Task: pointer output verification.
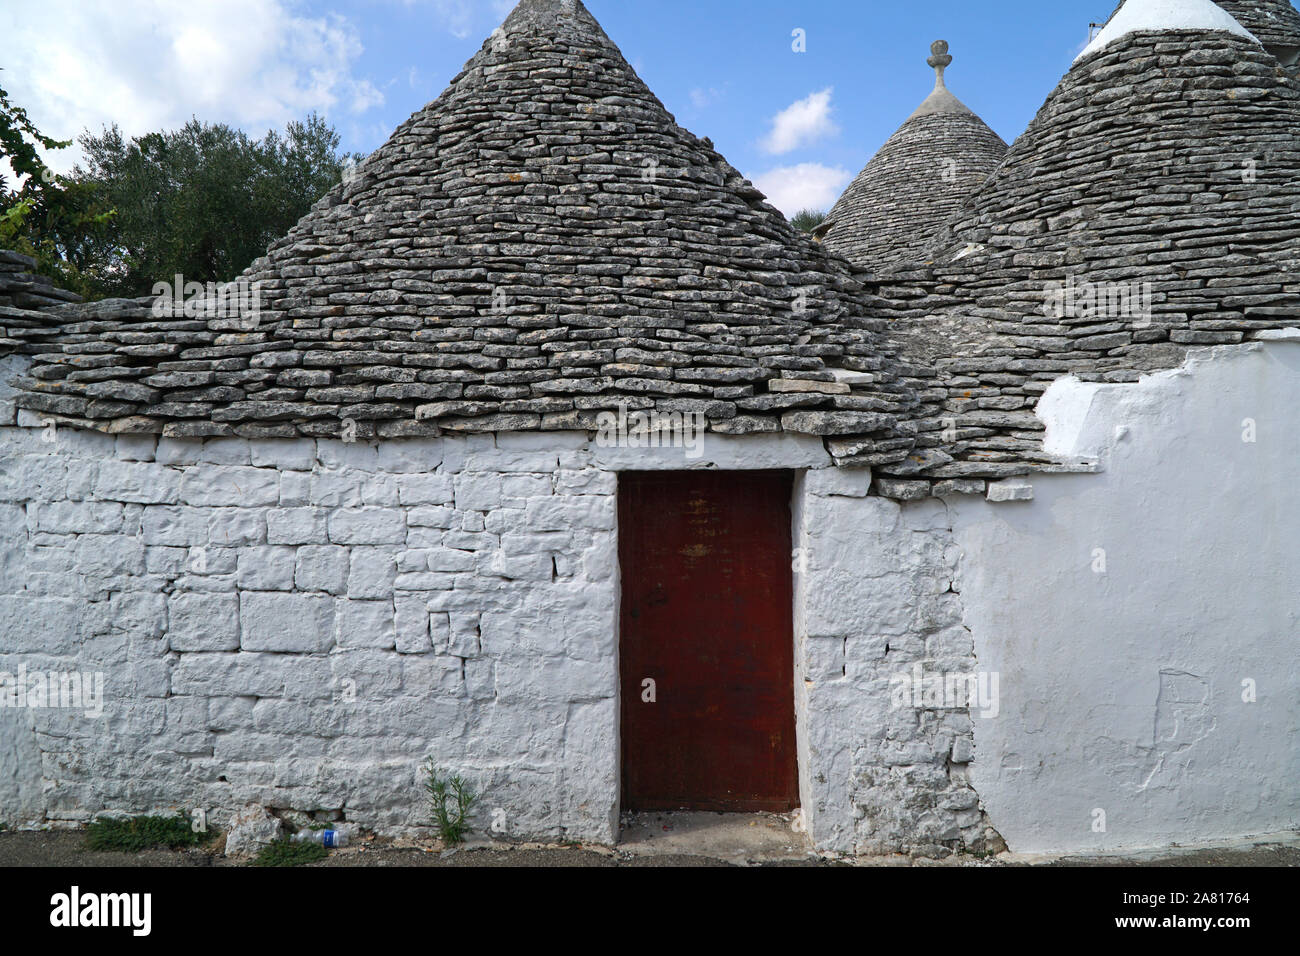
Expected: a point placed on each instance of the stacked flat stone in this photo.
(22, 287)
(916, 182)
(1275, 23)
(24, 295)
(1167, 157)
(540, 244)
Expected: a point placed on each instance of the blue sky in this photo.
(724, 68)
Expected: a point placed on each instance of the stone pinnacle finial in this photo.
(940, 60)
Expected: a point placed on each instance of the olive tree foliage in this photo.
(59, 223)
(205, 200)
(806, 220)
(202, 201)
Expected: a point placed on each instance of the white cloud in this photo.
(153, 64)
(805, 186)
(801, 123)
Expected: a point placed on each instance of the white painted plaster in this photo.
(874, 599)
(1122, 690)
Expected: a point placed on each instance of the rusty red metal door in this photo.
(706, 617)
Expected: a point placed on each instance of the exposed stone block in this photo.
(175, 526)
(74, 517)
(203, 622)
(843, 482)
(286, 454)
(296, 526)
(231, 486)
(236, 527)
(591, 512)
(138, 482)
(372, 573)
(959, 486)
(1010, 491)
(265, 569)
(367, 526)
(478, 491)
(367, 624)
(286, 622)
(424, 489)
(411, 624)
(41, 625)
(903, 490)
(322, 568)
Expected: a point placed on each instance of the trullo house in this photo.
(545, 448)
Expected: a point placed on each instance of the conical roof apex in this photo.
(916, 181)
(540, 244)
(1149, 16)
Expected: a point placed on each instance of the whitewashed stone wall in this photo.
(874, 600)
(299, 624)
(1146, 620)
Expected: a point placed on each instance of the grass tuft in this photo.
(287, 853)
(133, 834)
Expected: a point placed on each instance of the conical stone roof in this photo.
(1152, 205)
(540, 243)
(917, 180)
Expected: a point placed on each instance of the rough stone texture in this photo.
(25, 295)
(914, 184)
(453, 597)
(1168, 161)
(874, 599)
(540, 243)
(250, 830)
(1275, 23)
(315, 673)
(23, 288)
(296, 622)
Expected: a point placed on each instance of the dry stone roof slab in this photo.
(24, 295)
(22, 287)
(540, 243)
(544, 242)
(916, 182)
(1275, 23)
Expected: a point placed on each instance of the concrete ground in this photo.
(659, 839)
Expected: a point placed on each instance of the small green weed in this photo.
(450, 801)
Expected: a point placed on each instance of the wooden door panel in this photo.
(706, 615)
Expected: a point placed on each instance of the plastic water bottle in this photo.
(330, 839)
